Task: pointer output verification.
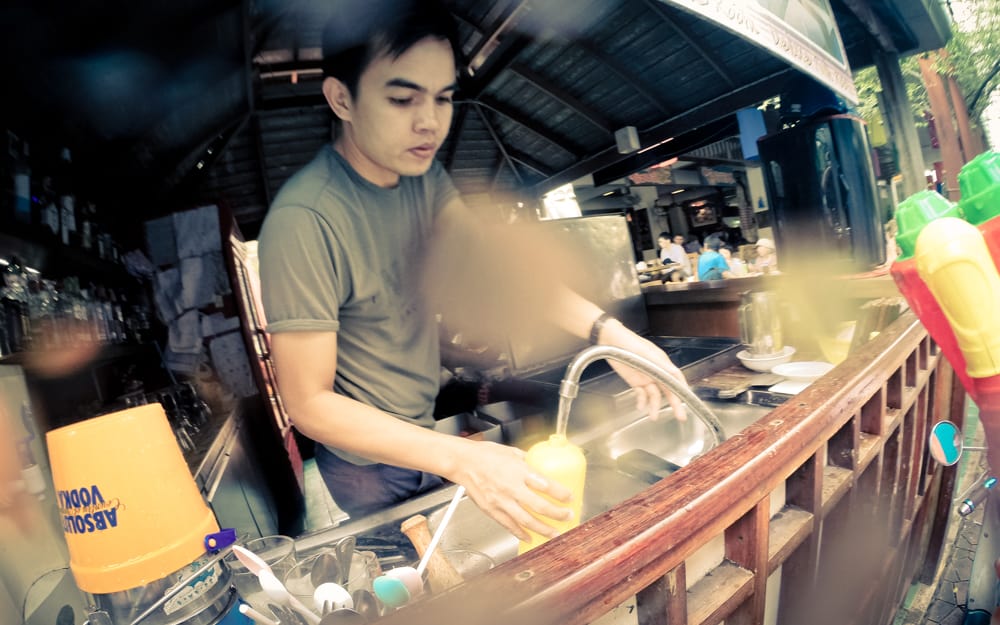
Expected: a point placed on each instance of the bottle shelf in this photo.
(107, 353)
(53, 259)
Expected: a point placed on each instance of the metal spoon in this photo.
(345, 553)
(366, 604)
(326, 568)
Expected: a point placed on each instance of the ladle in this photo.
(396, 587)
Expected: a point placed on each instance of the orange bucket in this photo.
(130, 510)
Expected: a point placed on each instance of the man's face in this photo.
(401, 113)
(679, 240)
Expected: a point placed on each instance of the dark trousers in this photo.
(362, 489)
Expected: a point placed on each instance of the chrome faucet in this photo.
(570, 386)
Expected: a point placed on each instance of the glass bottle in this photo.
(22, 184)
(14, 302)
(67, 199)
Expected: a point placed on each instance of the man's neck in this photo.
(380, 177)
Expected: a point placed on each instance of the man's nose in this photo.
(429, 116)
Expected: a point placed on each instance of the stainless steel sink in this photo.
(622, 459)
(470, 528)
(626, 452)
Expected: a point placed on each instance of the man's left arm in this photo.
(522, 254)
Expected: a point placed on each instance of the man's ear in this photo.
(338, 96)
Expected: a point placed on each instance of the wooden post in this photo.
(897, 111)
(951, 155)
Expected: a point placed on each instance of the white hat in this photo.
(768, 243)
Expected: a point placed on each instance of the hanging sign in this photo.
(802, 32)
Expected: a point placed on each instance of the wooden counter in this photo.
(709, 308)
(862, 512)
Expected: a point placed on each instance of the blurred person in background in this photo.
(767, 257)
(671, 253)
(712, 264)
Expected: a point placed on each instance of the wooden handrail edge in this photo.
(581, 573)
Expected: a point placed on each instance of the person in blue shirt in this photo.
(711, 264)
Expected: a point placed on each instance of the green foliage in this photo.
(973, 59)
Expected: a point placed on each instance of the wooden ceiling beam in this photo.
(499, 144)
(675, 126)
(493, 35)
(870, 21)
(658, 8)
(518, 119)
(569, 101)
(625, 75)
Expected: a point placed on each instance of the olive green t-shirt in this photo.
(340, 254)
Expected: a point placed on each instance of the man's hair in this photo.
(714, 242)
(360, 31)
(664, 235)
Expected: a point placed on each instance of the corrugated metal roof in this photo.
(233, 107)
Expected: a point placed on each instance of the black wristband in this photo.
(595, 330)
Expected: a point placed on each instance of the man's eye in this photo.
(444, 99)
(400, 101)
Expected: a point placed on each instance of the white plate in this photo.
(805, 371)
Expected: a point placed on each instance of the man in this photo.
(672, 252)
(767, 259)
(712, 264)
(354, 343)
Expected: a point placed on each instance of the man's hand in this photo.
(502, 484)
(649, 393)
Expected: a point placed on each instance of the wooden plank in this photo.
(890, 497)
(716, 595)
(873, 414)
(842, 448)
(664, 602)
(747, 546)
(868, 449)
(788, 529)
(836, 483)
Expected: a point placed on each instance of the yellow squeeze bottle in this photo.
(559, 460)
(955, 263)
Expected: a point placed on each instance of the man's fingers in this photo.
(653, 401)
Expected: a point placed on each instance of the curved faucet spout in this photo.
(570, 385)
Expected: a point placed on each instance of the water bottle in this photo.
(561, 461)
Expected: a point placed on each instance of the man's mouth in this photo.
(424, 150)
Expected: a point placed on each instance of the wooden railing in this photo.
(860, 511)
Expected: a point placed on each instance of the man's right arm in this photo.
(495, 476)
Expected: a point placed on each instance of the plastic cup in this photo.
(298, 579)
(278, 552)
